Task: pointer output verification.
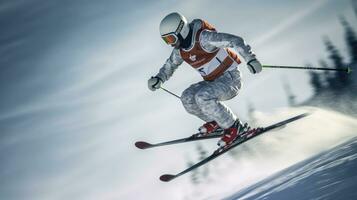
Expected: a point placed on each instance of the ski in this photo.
(243, 138)
(194, 137)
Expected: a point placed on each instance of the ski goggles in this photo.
(170, 38)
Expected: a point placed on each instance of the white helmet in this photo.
(173, 27)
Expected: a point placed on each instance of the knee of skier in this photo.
(187, 99)
(202, 97)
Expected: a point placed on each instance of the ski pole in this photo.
(173, 94)
(345, 69)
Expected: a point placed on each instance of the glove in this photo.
(254, 66)
(154, 83)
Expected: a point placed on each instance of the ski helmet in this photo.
(174, 27)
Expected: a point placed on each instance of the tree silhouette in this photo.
(337, 86)
(351, 39)
(289, 93)
(340, 81)
(316, 83)
(327, 75)
(194, 175)
(251, 110)
(200, 174)
(202, 155)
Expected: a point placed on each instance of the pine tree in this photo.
(251, 110)
(289, 93)
(197, 176)
(351, 39)
(194, 175)
(327, 75)
(315, 82)
(340, 81)
(202, 155)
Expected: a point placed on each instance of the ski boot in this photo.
(208, 128)
(232, 133)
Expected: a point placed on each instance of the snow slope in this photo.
(329, 175)
(276, 150)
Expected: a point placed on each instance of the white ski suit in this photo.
(218, 65)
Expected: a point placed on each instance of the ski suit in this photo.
(218, 65)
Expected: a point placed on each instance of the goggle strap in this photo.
(179, 28)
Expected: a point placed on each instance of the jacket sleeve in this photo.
(221, 40)
(170, 65)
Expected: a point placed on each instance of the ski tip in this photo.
(167, 177)
(142, 145)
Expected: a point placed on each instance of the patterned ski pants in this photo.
(204, 99)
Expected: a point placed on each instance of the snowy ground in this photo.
(277, 150)
(329, 175)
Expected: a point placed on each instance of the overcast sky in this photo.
(73, 78)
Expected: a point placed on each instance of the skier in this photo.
(200, 45)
